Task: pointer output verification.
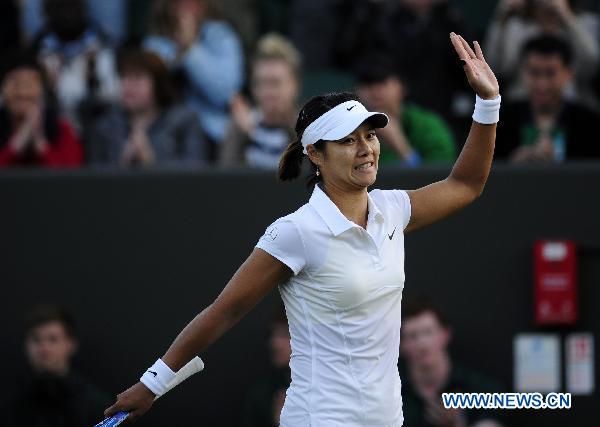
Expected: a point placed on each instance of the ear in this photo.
(314, 155)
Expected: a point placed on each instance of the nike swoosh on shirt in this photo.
(392, 235)
(350, 108)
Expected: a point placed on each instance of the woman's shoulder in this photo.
(299, 223)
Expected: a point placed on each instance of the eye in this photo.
(371, 135)
(348, 141)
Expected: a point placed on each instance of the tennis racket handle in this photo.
(113, 420)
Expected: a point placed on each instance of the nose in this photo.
(364, 148)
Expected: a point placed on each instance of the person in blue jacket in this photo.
(208, 55)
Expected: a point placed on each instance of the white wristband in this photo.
(158, 377)
(487, 111)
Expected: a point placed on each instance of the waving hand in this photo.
(480, 75)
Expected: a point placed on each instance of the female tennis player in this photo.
(339, 263)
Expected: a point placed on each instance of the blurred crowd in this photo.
(200, 83)
(55, 393)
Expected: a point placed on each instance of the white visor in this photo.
(341, 121)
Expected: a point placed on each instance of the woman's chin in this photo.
(365, 179)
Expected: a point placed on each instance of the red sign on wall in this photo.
(555, 264)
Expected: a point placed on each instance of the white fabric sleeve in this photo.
(401, 201)
(282, 240)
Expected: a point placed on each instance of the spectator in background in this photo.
(413, 135)
(415, 34)
(31, 131)
(148, 127)
(547, 127)
(517, 21)
(425, 335)
(55, 395)
(78, 62)
(258, 136)
(243, 16)
(209, 56)
(265, 398)
(108, 16)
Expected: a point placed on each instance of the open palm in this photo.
(479, 74)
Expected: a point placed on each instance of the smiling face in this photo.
(349, 163)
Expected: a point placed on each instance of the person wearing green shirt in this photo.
(417, 135)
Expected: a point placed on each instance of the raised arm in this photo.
(469, 174)
(256, 277)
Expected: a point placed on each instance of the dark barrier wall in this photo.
(136, 256)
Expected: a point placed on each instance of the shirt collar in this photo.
(332, 216)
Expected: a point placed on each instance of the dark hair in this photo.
(136, 60)
(16, 59)
(290, 164)
(415, 305)
(548, 45)
(67, 18)
(43, 314)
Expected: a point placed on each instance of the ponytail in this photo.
(290, 164)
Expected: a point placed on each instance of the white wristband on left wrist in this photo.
(487, 111)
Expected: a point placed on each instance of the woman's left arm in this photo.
(470, 172)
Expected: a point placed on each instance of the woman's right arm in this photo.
(255, 278)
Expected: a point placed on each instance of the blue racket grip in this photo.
(113, 421)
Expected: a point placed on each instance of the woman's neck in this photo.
(354, 205)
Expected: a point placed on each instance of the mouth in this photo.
(364, 166)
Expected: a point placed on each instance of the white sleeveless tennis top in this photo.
(343, 309)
